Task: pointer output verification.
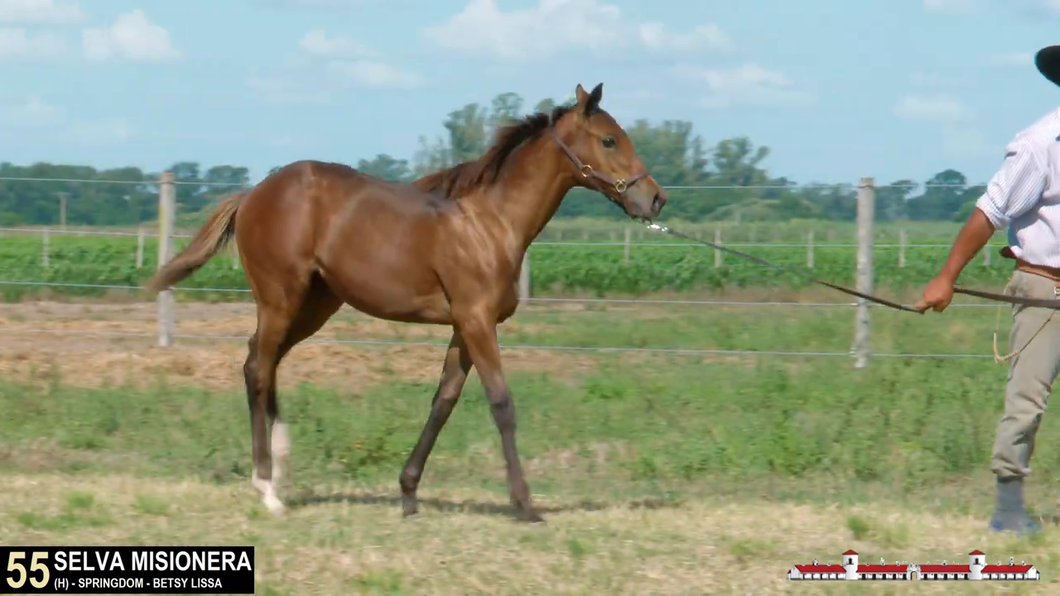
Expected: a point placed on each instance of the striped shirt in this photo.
(1024, 194)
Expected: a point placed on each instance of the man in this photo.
(1024, 195)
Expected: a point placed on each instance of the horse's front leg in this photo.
(454, 374)
(479, 331)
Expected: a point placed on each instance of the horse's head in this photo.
(603, 155)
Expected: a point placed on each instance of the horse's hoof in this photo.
(409, 507)
(275, 506)
(533, 518)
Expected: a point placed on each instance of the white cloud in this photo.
(17, 45)
(558, 25)
(966, 141)
(133, 37)
(638, 96)
(319, 4)
(747, 84)
(40, 12)
(324, 66)
(1012, 59)
(534, 32)
(317, 43)
(950, 6)
(656, 37)
(369, 73)
(955, 121)
(29, 112)
(287, 89)
(933, 108)
(933, 79)
(98, 133)
(1049, 6)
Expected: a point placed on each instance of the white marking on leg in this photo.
(268, 494)
(281, 449)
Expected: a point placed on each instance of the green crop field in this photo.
(659, 473)
(590, 260)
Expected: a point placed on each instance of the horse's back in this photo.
(339, 185)
(374, 242)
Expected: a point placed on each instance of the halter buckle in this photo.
(620, 186)
(586, 170)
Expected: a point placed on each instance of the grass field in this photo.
(660, 473)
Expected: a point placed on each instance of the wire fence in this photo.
(524, 347)
(532, 300)
(38, 231)
(793, 186)
(166, 322)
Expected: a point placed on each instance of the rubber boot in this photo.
(1009, 513)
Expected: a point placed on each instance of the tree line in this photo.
(675, 154)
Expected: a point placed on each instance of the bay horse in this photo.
(444, 250)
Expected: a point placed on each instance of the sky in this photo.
(837, 89)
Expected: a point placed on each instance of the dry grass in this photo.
(94, 345)
(85, 346)
(354, 541)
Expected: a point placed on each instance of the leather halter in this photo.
(619, 184)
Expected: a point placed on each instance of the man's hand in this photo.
(937, 295)
(973, 236)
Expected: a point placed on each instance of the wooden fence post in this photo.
(717, 253)
(62, 210)
(167, 199)
(809, 249)
(866, 207)
(625, 249)
(524, 277)
(139, 247)
(44, 249)
(901, 247)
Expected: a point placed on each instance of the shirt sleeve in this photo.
(1015, 188)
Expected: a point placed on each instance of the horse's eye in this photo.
(609, 142)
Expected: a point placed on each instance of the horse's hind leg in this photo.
(281, 324)
(319, 306)
(454, 374)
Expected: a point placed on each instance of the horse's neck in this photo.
(532, 187)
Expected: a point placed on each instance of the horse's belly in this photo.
(430, 309)
(392, 295)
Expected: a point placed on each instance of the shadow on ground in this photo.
(472, 506)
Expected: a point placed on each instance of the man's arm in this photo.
(973, 236)
(1015, 189)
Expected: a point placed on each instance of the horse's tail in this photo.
(208, 241)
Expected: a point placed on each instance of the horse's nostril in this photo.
(657, 202)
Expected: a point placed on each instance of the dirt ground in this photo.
(93, 345)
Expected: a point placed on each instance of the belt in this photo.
(1046, 271)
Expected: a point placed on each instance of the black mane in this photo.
(463, 178)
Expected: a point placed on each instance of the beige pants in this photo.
(1035, 340)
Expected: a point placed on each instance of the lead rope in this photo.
(998, 359)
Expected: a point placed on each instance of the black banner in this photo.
(126, 570)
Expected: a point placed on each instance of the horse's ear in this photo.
(592, 103)
(580, 96)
